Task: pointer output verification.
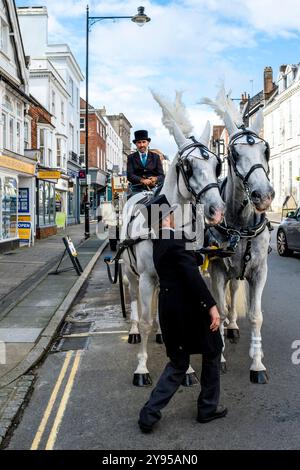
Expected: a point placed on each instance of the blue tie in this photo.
(144, 159)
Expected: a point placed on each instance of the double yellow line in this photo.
(63, 403)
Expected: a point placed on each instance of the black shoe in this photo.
(145, 428)
(220, 412)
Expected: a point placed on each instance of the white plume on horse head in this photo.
(174, 117)
(224, 107)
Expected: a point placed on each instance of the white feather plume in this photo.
(222, 104)
(174, 112)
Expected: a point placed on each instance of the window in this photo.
(71, 90)
(290, 119)
(98, 157)
(42, 145)
(53, 103)
(98, 127)
(82, 155)
(19, 109)
(62, 108)
(50, 162)
(4, 129)
(272, 130)
(82, 123)
(8, 103)
(290, 177)
(11, 134)
(18, 137)
(26, 135)
(77, 99)
(46, 203)
(4, 36)
(71, 135)
(58, 153)
(8, 193)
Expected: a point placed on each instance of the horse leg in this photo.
(258, 373)
(146, 290)
(158, 337)
(218, 287)
(134, 335)
(233, 333)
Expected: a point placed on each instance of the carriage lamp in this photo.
(140, 19)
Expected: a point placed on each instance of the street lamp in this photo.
(140, 19)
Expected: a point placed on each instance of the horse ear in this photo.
(230, 125)
(204, 139)
(258, 123)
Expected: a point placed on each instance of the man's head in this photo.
(141, 140)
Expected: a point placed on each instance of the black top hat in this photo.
(141, 135)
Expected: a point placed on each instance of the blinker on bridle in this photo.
(187, 173)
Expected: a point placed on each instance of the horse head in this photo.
(194, 171)
(248, 153)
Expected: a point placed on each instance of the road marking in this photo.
(63, 404)
(94, 333)
(41, 429)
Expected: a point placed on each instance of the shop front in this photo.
(73, 198)
(61, 201)
(17, 179)
(46, 209)
(98, 190)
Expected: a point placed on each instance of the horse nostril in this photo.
(255, 195)
(212, 210)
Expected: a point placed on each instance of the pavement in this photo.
(33, 304)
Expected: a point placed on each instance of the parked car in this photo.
(288, 234)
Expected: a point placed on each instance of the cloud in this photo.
(189, 45)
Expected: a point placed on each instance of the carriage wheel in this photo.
(122, 291)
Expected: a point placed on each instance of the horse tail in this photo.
(241, 293)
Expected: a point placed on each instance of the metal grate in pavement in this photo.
(70, 344)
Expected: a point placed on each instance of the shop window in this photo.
(8, 194)
(46, 203)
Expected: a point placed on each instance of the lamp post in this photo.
(140, 19)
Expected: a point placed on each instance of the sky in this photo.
(189, 45)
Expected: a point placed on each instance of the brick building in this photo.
(96, 155)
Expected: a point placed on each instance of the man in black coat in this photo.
(189, 321)
(144, 168)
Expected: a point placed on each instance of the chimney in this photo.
(268, 82)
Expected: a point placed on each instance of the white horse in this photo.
(247, 194)
(191, 177)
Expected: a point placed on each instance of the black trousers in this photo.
(171, 379)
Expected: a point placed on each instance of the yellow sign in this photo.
(17, 165)
(24, 229)
(49, 175)
(119, 183)
(24, 218)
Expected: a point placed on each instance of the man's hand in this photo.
(146, 181)
(215, 318)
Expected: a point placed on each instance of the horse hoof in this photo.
(134, 338)
(259, 377)
(233, 335)
(190, 379)
(142, 380)
(223, 367)
(159, 338)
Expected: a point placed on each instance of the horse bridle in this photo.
(183, 166)
(232, 156)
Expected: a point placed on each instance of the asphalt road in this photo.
(85, 399)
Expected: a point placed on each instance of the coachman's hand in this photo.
(215, 318)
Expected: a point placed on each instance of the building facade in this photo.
(123, 128)
(55, 81)
(17, 164)
(96, 155)
(282, 131)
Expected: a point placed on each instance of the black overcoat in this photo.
(184, 299)
(136, 170)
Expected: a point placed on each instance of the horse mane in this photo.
(174, 112)
(224, 104)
